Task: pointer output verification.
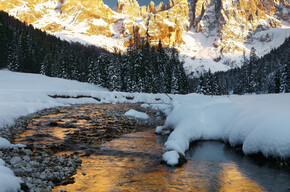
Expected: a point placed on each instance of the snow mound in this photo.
(171, 157)
(164, 108)
(260, 123)
(8, 181)
(145, 105)
(5, 144)
(137, 114)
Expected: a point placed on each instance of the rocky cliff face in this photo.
(207, 30)
(162, 24)
(58, 15)
(93, 17)
(129, 7)
(234, 22)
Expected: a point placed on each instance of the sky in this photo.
(113, 3)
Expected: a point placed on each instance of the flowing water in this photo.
(132, 163)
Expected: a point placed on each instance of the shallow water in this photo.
(132, 163)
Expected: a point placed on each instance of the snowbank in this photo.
(260, 123)
(8, 181)
(24, 93)
(5, 144)
(137, 114)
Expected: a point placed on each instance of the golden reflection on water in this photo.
(132, 162)
(135, 166)
(233, 180)
(121, 175)
(38, 131)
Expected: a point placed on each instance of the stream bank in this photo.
(56, 140)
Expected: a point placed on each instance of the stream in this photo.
(130, 159)
(132, 163)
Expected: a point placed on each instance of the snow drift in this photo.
(137, 114)
(260, 123)
(24, 93)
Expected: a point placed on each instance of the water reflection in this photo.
(239, 173)
(232, 179)
(132, 163)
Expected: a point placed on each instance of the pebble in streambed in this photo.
(38, 170)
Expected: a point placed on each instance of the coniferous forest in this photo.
(142, 68)
(269, 74)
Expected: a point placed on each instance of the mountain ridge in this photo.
(210, 34)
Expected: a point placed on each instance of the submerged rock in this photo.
(173, 158)
(68, 125)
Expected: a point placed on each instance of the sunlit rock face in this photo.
(88, 16)
(169, 24)
(128, 7)
(216, 29)
(93, 17)
(234, 22)
(162, 24)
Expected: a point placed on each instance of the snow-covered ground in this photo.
(23, 93)
(137, 114)
(260, 123)
(8, 181)
(199, 52)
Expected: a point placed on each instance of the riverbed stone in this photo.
(27, 151)
(24, 187)
(15, 160)
(181, 159)
(20, 172)
(68, 125)
(26, 158)
(53, 124)
(34, 163)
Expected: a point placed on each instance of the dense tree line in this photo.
(142, 68)
(269, 74)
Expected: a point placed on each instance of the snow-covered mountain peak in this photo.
(209, 33)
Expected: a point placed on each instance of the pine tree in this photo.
(92, 74)
(45, 68)
(277, 81)
(201, 86)
(3, 43)
(215, 86)
(13, 56)
(114, 73)
(285, 77)
(253, 71)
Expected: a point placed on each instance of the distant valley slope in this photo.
(208, 33)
